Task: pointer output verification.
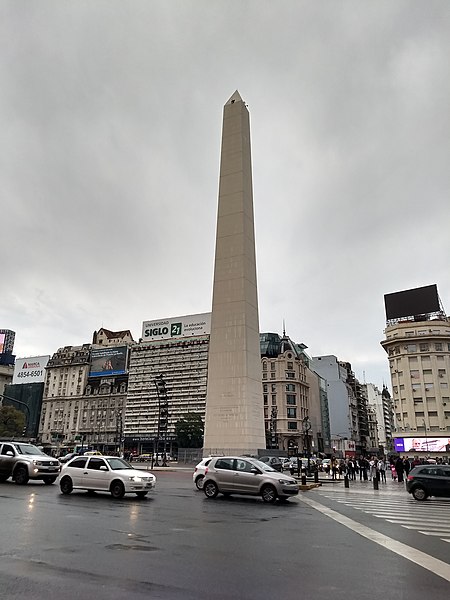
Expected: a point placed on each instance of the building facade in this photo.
(419, 361)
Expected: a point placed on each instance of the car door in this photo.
(224, 474)
(96, 475)
(245, 482)
(7, 462)
(75, 470)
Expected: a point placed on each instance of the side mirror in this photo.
(103, 468)
(254, 470)
(10, 453)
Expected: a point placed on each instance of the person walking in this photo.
(399, 467)
(382, 470)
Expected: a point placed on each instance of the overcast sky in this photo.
(110, 126)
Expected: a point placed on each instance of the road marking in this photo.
(436, 533)
(436, 566)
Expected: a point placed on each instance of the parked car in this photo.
(429, 480)
(105, 474)
(199, 472)
(23, 462)
(238, 475)
(285, 462)
(272, 461)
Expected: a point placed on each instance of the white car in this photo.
(199, 472)
(105, 474)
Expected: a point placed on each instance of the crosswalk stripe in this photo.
(426, 519)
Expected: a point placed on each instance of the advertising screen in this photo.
(108, 361)
(2, 342)
(421, 444)
(30, 370)
(413, 302)
(176, 327)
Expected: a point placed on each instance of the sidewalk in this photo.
(391, 487)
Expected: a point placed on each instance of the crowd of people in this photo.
(368, 468)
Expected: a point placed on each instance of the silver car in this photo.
(241, 475)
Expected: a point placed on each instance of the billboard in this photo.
(30, 370)
(108, 361)
(418, 301)
(421, 444)
(7, 338)
(176, 327)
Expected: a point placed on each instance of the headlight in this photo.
(134, 478)
(287, 481)
(39, 463)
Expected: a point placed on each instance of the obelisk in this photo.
(234, 422)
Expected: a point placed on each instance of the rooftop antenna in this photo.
(284, 329)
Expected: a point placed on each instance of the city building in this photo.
(417, 343)
(84, 395)
(175, 349)
(347, 404)
(234, 421)
(382, 404)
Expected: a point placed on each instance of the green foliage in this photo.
(189, 431)
(12, 421)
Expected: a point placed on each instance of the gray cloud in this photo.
(110, 115)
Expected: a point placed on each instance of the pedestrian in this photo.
(393, 473)
(400, 469)
(406, 466)
(382, 470)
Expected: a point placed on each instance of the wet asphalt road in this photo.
(175, 544)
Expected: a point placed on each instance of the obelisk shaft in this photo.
(234, 420)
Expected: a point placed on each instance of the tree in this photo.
(189, 431)
(12, 421)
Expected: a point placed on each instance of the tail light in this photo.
(410, 477)
(206, 470)
(195, 470)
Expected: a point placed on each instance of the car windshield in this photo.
(28, 449)
(118, 463)
(263, 466)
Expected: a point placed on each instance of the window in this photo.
(438, 347)
(291, 399)
(290, 375)
(432, 413)
(266, 399)
(441, 372)
(427, 372)
(292, 425)
(290, 366)
(265, 387)
(411, 348)
(424, 347)
(274, 399)
(272, 375)
(264, 366)
(272, 366)
(225, 463)
(79, 463)
(274, 387)
(292, 413)
(290, 387)
(414, 374)
(244, 466)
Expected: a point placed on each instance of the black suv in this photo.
(429, 480)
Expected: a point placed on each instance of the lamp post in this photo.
(306, 426)
(273, 427)
(163, 416)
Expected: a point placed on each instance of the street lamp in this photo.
(163, 416)
(306, 426)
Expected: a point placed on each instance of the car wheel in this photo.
(210, 488)
(117, 490)
(199, 482)
(269, 494)
(21, 476)
(419, 493)
(49, 480)
(141, 494)
(65, 485)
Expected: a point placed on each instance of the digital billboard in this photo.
(176, 327)
(410, 303)
(108, 361)
(421, 444)
(7, 338)
(30, 370)
(2, 342)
